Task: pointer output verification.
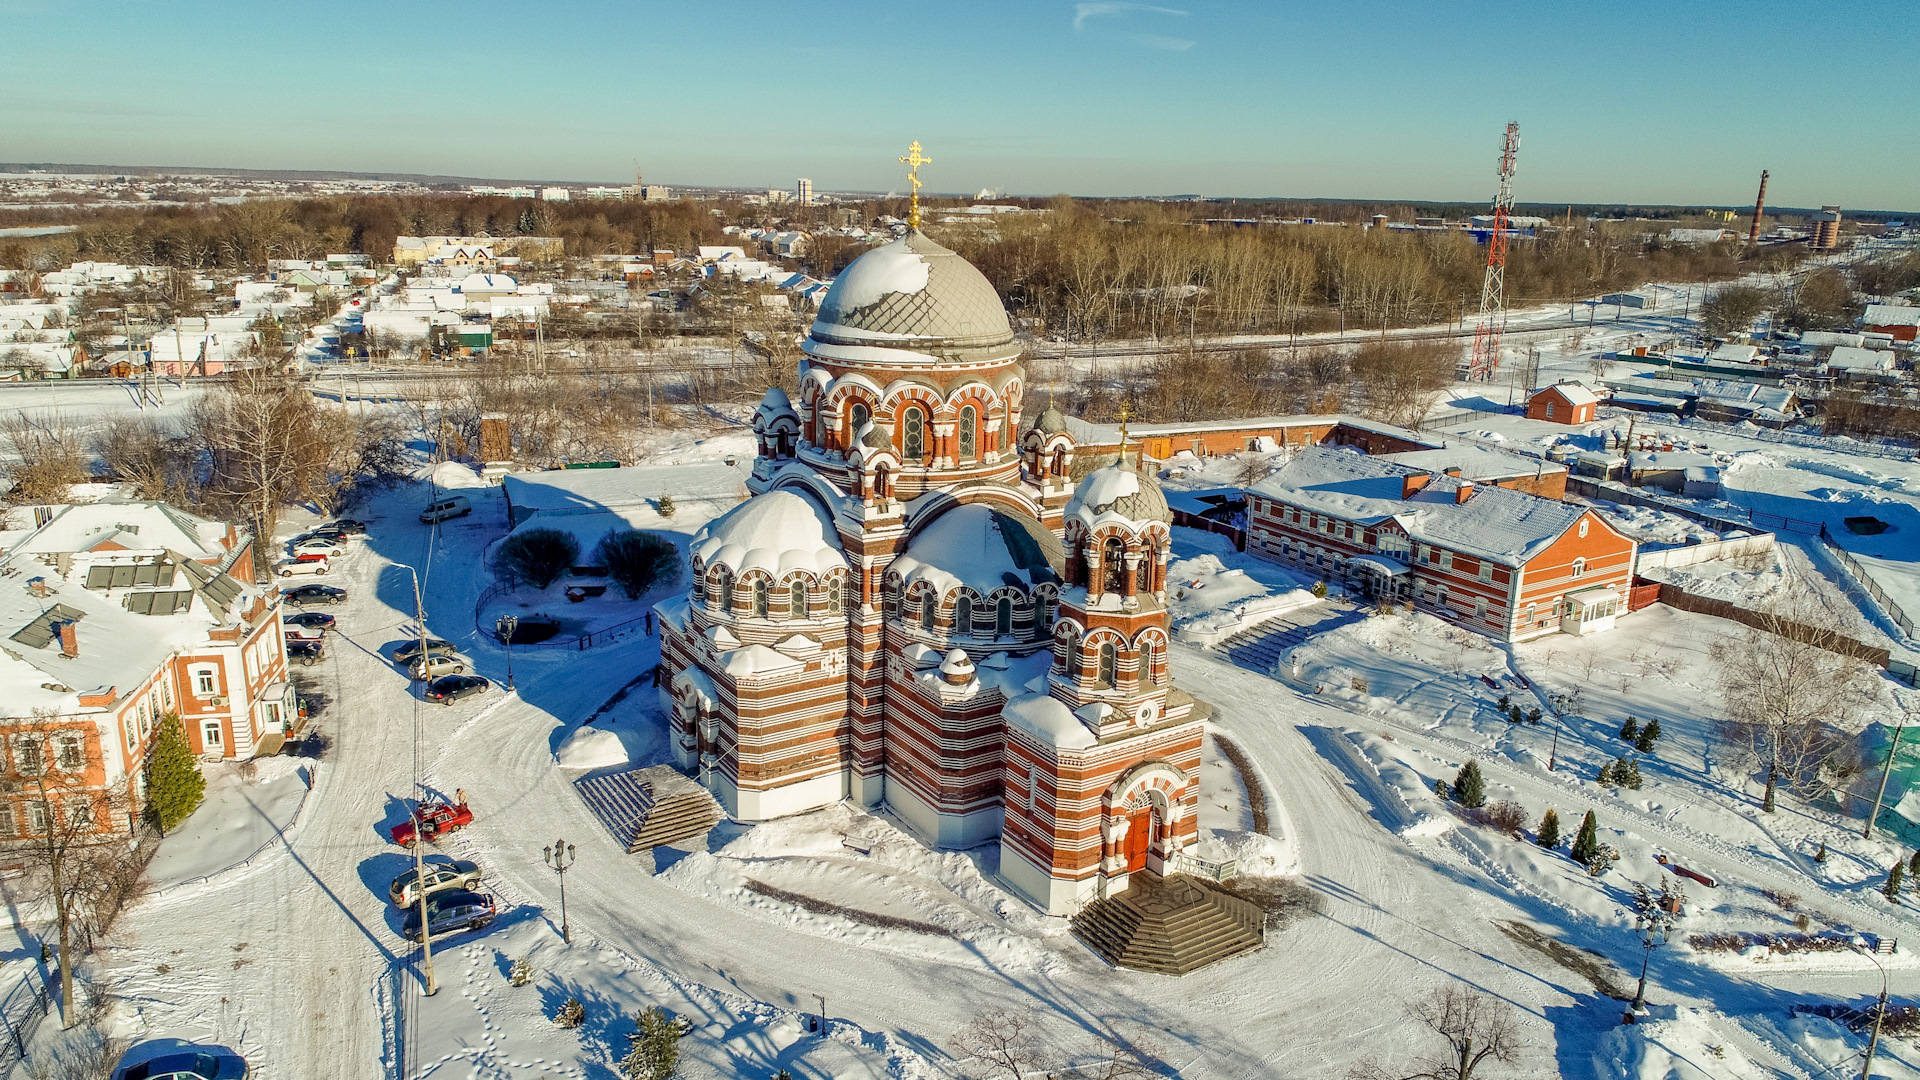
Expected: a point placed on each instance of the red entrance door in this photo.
(1139, 836)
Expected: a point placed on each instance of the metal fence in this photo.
(22, 1010)
(1859, 576)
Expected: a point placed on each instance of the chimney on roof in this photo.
(1463, 492)
(1413, 482)
(69, 639)
(1451, 470)
(38, 587)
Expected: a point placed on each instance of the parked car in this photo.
(452, 506)
(311, 595)
(449, 912)
(435, 665)
(318, 620)
(452, 688)
(438, 875)
(301, 566)
(430, 822)
(190, 1065)
(303, 633)
(305, 653)
(408, 653)
(318, 545)
(343, 527)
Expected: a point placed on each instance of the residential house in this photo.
(1899, 321)
(1563, 403)
(1499, 562)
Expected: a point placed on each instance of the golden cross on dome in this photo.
(1126, 410)
(913, 162)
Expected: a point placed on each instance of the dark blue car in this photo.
(192, 1065)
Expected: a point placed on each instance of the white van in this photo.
(452, 506)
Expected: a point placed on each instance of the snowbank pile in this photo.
(1210, 603)
(592, 748)
(1672, 1044)
(450, 475)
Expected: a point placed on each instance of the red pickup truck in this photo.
(430, 822)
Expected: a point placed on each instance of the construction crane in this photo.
(1485, 360)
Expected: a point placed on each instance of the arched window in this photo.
(760, 595)
(857, 416)
(1003, 617)
(929, 606)
(1113, 556)
(1579, 567)
(797, 600)
(913, 444)
(1109, 663)
(1143, 576)
(969, 422)
(881, 480)
(726, 592)
(963, 615)
(1047, 602)
(837, 592)
(1150, 660)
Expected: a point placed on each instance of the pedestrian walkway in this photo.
(1260, 648)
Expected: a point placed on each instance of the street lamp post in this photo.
(1893, 751)
(561, 857)
(507, 625)
(1879, 1014)
(1654, 923)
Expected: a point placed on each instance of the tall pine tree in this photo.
(1587, 844)
(654, 1053)
(1469, 788)
(1894, 878)
(1648, 736)
(174, 783)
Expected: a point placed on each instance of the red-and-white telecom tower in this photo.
(1485, 361)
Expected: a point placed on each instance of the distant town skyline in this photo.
(1350, 99)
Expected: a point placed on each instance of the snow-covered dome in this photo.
(778, 532)
(982, 548)
(911, 294)
(1119, 489)
(1050, 422)
(772, 407)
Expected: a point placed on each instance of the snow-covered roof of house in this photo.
(1575, 393)
(779, 532)
(488, 283)
(1476, 463)
(589, 491)
(1850, 358)
(983, 549)
(1734, 354)
(1818, 338)
(1506, 526)
(1755, 395)
(1891, 315)
(1666, 461)
(128, 526)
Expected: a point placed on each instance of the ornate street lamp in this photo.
(561, 857)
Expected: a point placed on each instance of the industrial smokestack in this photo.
(1759, 207)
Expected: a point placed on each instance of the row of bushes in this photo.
(636, 561)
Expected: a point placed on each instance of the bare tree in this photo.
(1403, 379)
(154, 460)
(1795, 672)
(1476, 1027)
(48, 455)
(260, 430)
(1002, 1043)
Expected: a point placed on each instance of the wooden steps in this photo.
(1170, 925)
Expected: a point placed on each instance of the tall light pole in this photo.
(432, 985)
(1892, 752)
(1654, 923)
(507, 625)
(561, 857)
(1873, 1041)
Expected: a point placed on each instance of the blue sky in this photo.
(1681, 102)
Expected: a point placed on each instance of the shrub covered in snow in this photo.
(654, 1051)
(637, 561)
(1507, 816)
(570, 1014)
(522, 972)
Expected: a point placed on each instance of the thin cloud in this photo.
(1158, 41)
(1083, 12)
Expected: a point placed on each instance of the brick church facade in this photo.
(919, 609)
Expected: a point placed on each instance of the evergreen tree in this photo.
(1630, 730)
(1548, 834)
(1440, 789)
(1506, 703)
(1648, 736)
(654, 1053)
(1894, 877)
(1606, 773)
(1912, 867)
(1628, 774)
(1533, 715)
(664, 507)
(1469, 788)
(174, 783)
(1513, 716)
(1821, 855)
(1587, 843)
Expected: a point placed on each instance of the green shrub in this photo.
(536, 556)
(637, 561)
(1548, 834)
(1587, 843)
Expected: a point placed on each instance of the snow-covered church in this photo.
(919, 608)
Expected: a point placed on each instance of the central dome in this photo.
(913, 294)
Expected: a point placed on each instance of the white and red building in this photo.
(113, 615)
(919, 608)
(1499, 561)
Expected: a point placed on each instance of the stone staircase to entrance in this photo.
(645, 808)
(1260, 648)
(1170, 925)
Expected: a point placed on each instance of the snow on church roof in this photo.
(911, 294)
(1049, 720)
(1118, 490)
(983, 549)
(778, 532)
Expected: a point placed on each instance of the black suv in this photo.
(311, 595)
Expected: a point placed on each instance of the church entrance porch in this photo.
(1170, 925)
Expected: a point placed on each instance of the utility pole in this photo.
(1879, 1014)
(1879, 796)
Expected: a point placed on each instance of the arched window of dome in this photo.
(1003, 617)
(913, 441)
(1113, 566)
(969, 424)
(881, 478)
(797, 600)
(761, 595)
(929, 607)
(963, 614)
(726, 592)
(1109, 664)
(857, 414)
(837, 592)
(1143, 577)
